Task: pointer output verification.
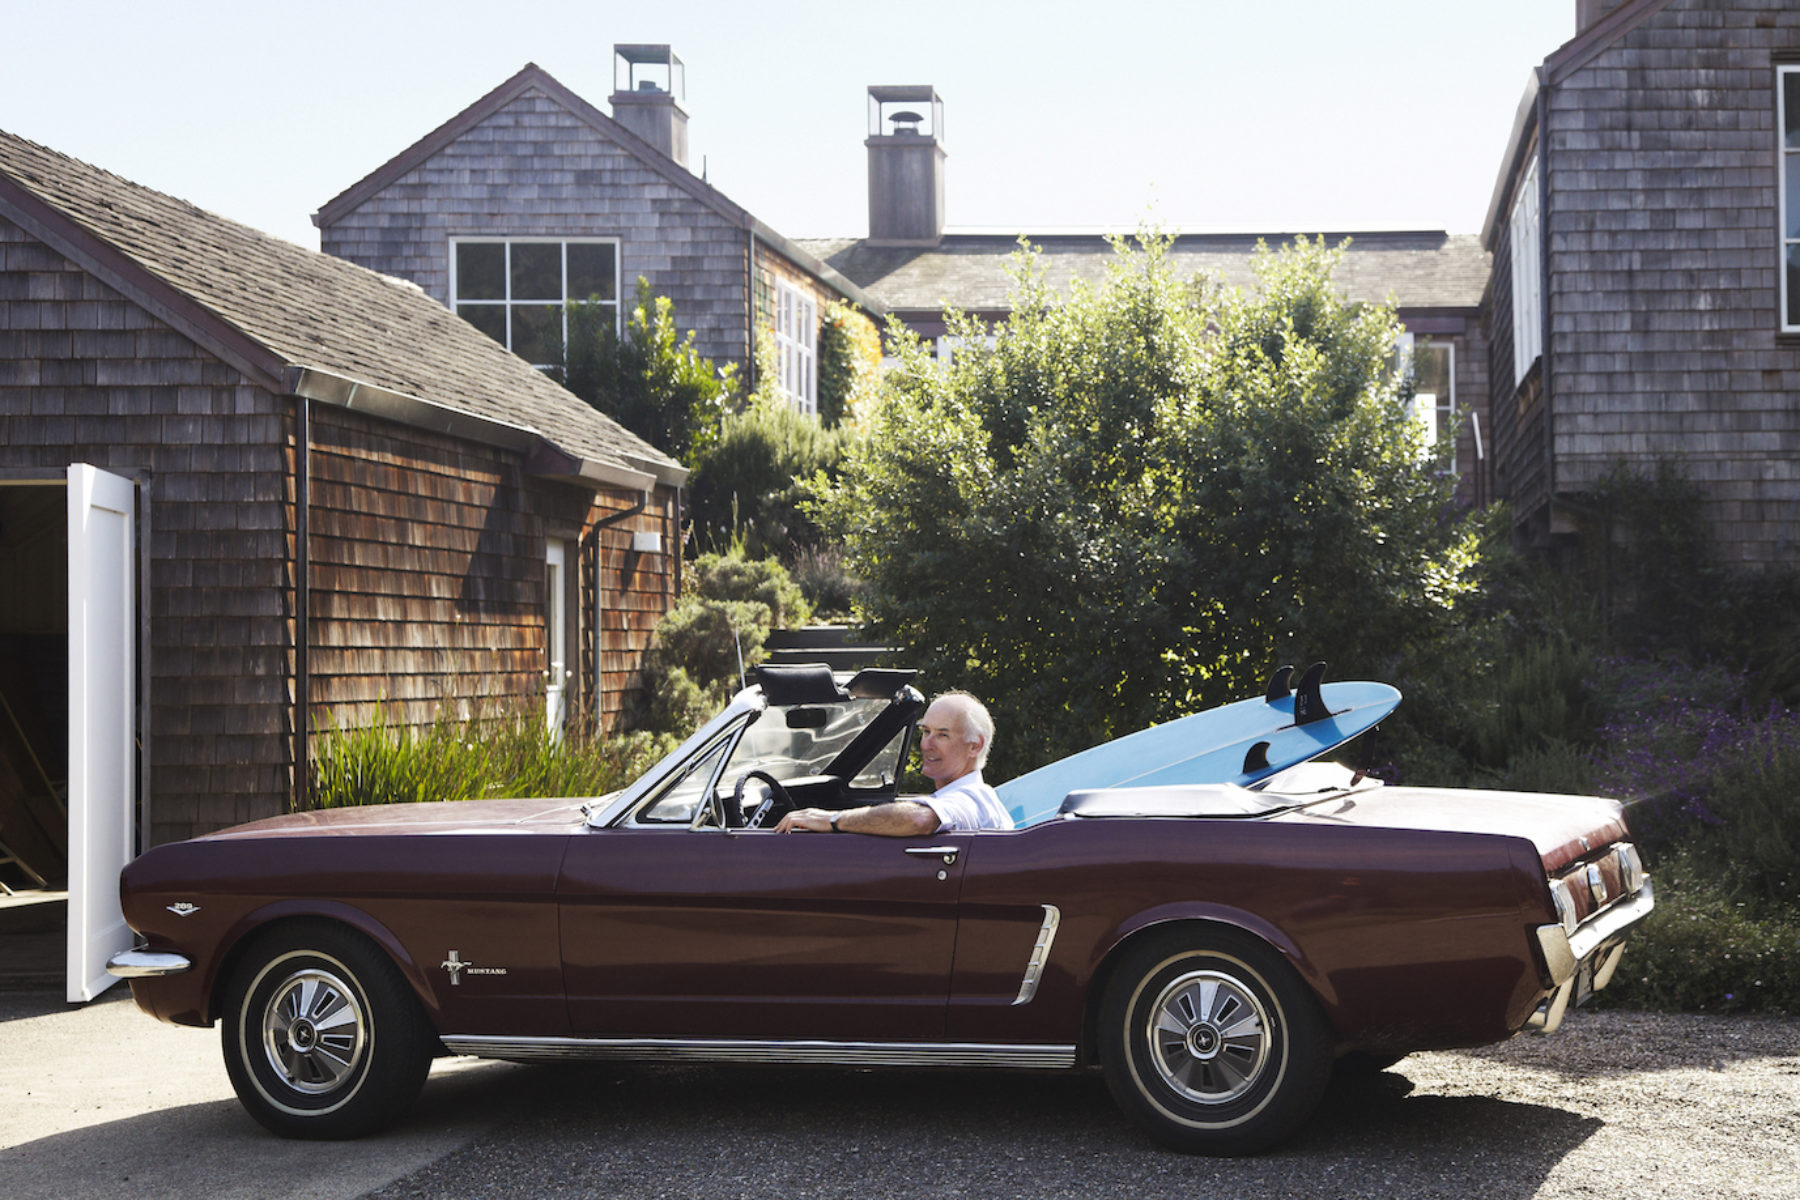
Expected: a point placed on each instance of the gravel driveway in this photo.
(1615, 1105)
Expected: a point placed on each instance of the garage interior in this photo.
(34, 734)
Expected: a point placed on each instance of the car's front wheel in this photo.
(322, 1037)
(1212, 1042)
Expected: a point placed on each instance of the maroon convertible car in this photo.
(1212, 948)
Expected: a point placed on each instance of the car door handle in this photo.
(948, 853)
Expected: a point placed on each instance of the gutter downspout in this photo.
(594, 533)
(302, 600)
(1543, 155)
(750, 310)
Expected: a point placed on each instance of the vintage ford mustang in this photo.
(1211, 947)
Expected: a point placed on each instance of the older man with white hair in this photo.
(955, 735)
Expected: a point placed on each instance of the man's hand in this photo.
(805, 820)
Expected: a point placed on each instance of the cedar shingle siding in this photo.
(147, 337)
(1660, 147)
(88, 376)
(532, 169)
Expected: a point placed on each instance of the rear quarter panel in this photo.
(489, 896)
(1410, 939)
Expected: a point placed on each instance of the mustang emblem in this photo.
(456, 965)
(182, 908)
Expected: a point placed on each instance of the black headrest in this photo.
(799, 683)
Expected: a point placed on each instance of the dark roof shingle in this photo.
(297, 308)
(1420, 270)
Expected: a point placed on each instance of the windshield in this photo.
(794, 742)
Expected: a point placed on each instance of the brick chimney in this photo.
(649, 85)
(906, 166)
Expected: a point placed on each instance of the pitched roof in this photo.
(301, 322)
(1563, 62)
(1421, 269)
(532, 77)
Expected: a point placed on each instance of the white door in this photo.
(102, 691)
(556, 635)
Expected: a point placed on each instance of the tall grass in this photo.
(509, 754)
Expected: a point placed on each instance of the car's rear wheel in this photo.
(1212, 1042)
(322, 1037)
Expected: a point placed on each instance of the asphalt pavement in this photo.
(103, 1101)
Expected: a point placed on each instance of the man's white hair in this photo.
(975, 723)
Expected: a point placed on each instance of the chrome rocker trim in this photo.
(1565, 954)
(846, 1054)
(147, 964)
(1040, 954)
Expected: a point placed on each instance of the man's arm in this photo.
(901, 818)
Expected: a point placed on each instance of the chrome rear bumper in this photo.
(1584, 961)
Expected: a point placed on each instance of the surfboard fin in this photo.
(1278, 686)
(1309, 705)
(1256, 758)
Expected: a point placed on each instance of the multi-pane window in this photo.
(797, 341)
(1527, 275)
(1788, 102)
(1434, 390)
(1433, 369)
(516, 291)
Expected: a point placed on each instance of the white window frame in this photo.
(1527, 274)
(1787, 157)
(556, 636)
(1432, 411)
(508, 303)
(797, 344)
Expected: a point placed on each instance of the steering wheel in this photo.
(776, 794)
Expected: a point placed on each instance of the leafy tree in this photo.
(651, 380)
(1146, 495)
(749, 483)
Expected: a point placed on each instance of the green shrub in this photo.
(824, 577)
(651, 380)
(714, 633)
(1550, 766)
(709, 639)
(1702, 951)
(737, 576)
(751, 484)
(515, 754)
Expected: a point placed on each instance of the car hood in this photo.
(1562, 828)
(530, 815)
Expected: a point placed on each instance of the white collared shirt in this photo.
(967, 803)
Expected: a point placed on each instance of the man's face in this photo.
(945, 754)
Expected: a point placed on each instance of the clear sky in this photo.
(1283, 115)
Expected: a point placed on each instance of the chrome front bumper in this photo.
(142, 964)
(1583, 962)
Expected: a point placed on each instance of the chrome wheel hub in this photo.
(315, 1032)
(1208, 1036)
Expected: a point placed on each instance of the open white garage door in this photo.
(102, 691)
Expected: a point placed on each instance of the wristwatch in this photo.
(834, 822)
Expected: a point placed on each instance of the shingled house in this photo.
(1646, 285)
(914, 267)
(531, 197)
(299, 489)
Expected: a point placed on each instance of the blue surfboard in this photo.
(1237, 743)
